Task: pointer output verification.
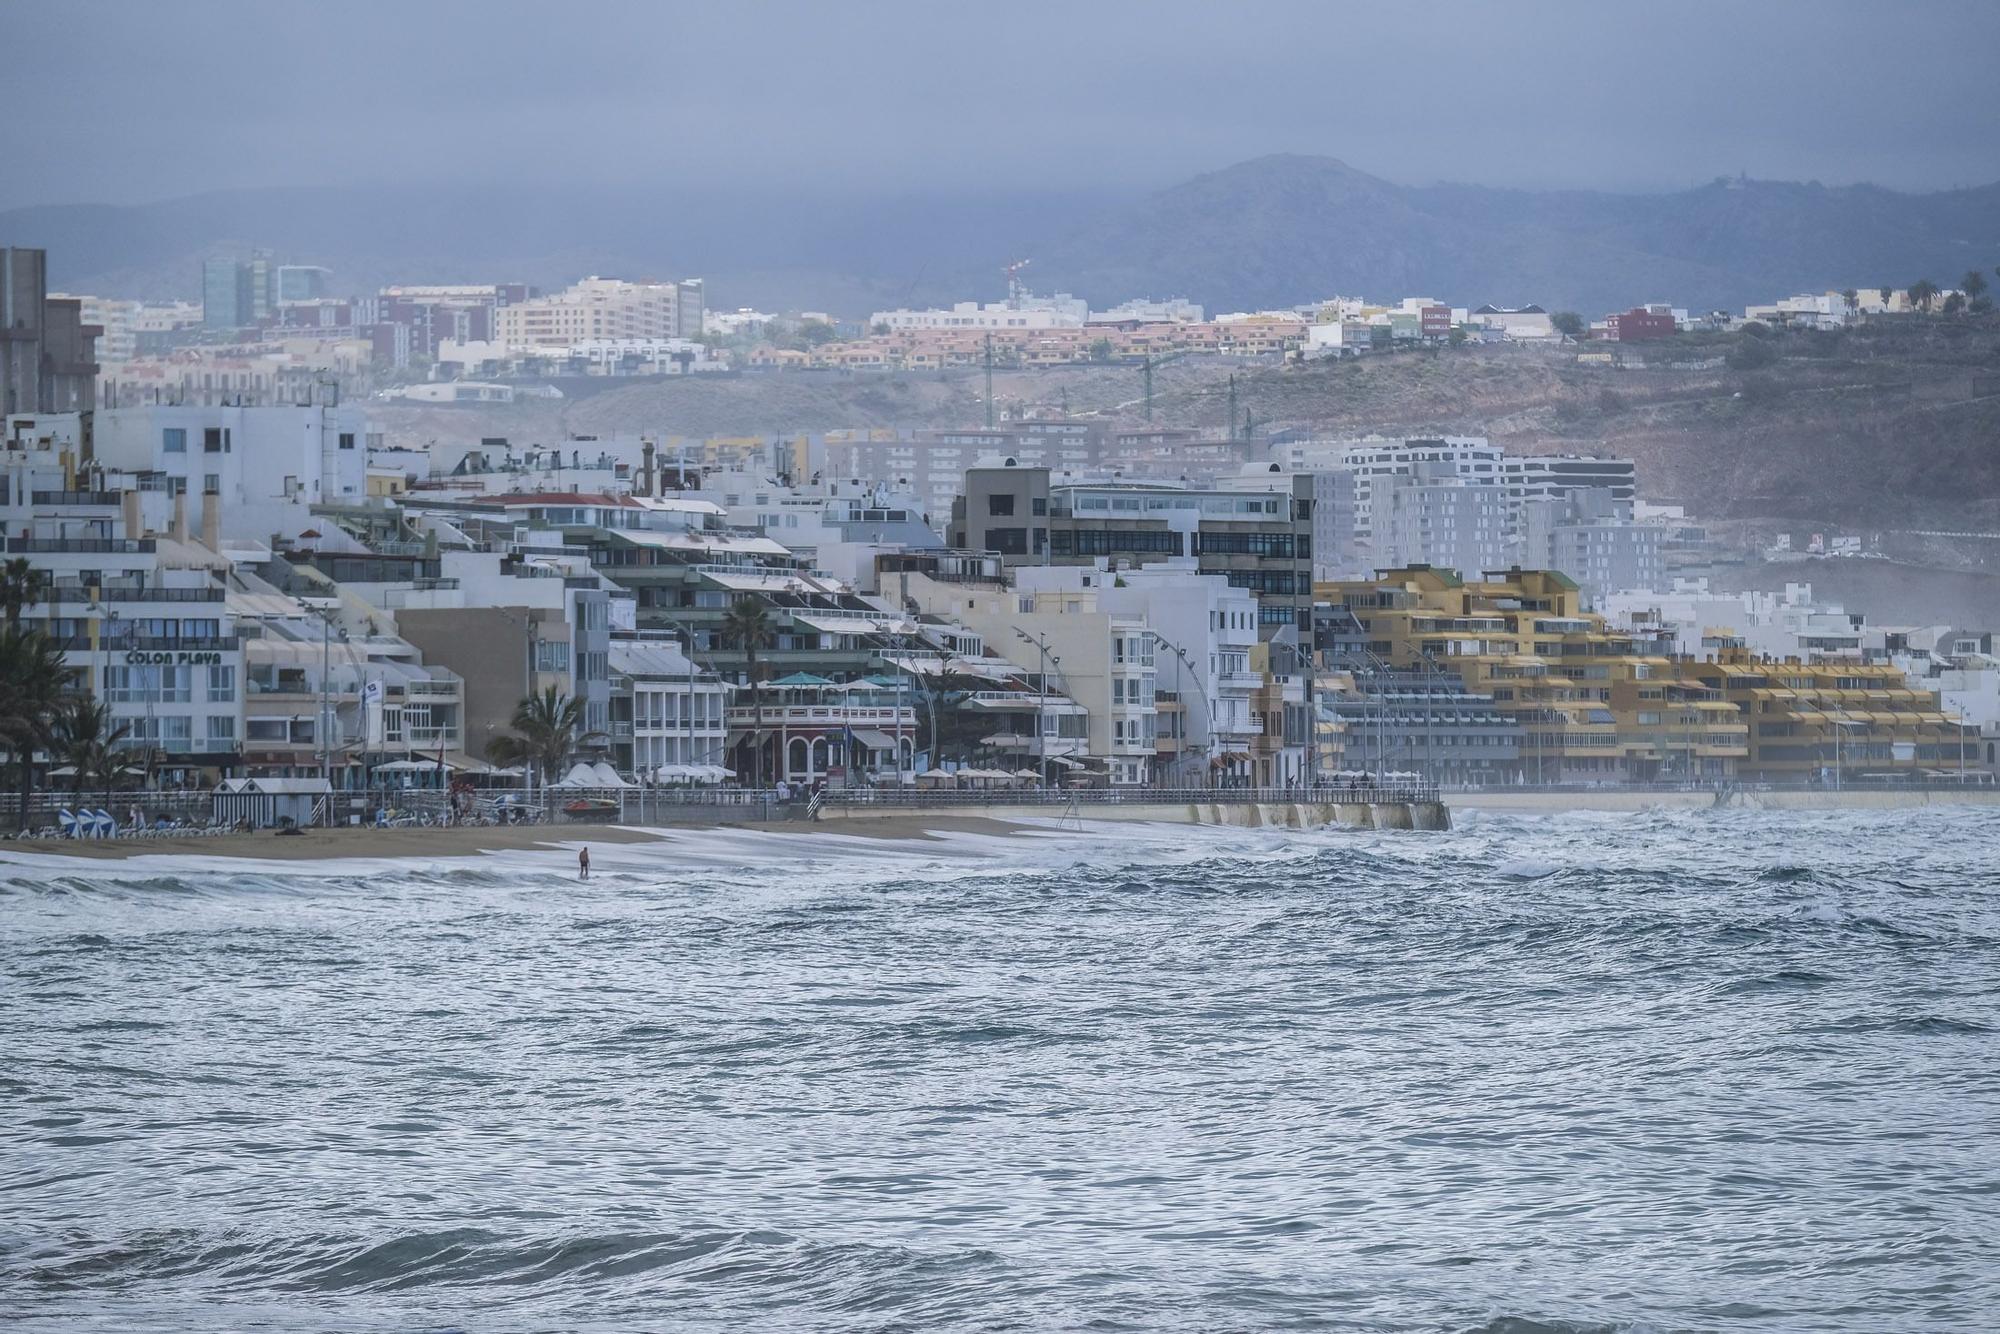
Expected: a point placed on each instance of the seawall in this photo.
(1548, 803)
(1238, 814)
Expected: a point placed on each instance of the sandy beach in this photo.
(331, 844)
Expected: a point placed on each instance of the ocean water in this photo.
(1715, 1071)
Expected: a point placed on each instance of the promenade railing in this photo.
(1369, 794)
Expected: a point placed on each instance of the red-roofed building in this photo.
(1639, 325)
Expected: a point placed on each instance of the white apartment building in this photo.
(1438, 517)
(1591, 537)
(1174, 310)
(1061, 311)
(1073, 652)
(1527, 476)
(598, 309)
(1772, 624)
(1205, 630)
(136, 604)
(667, 713)
(1371, 458)
(1520, 323)
(267, 465)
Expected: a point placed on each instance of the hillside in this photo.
(1893, 424)
(1272, 231)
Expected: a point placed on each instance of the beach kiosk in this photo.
(269, 802)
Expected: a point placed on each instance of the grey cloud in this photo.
(125, 102)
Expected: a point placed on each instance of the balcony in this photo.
(1048, 747)
(72, 593)
(822, 715)
(1021, 701)
(81, 546)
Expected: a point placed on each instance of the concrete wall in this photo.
(1237, 814)
(1552, 803)
(486, 646)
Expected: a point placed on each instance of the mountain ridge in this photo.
(1269, 231)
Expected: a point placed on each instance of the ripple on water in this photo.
(1717, 1071)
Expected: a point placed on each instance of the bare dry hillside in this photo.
(1895, 424)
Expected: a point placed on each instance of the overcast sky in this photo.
(124, 102)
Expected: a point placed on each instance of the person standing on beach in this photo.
(583, 864)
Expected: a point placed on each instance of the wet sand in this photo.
(330, 844)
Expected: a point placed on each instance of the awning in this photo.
(873, 739)
(849, 625)
(769, 583)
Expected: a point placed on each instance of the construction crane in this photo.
(1016, 289)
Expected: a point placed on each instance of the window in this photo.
(1039, 506)
(347, 439)
(221, 727)
(174, 440)
(551, 656)
(1000, 506)
(211, 483)
(1008, 541)
(211, 440)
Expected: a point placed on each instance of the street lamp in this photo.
(1181, 659)
(687, 713)
(1041, 643)
(326, 706)
(1302, 664)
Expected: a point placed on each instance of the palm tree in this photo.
(86, 737)
(1954, 303)
(34, 684)
(1922, 293)
(944, 692)
(22, 585)
(1973, 284)
(548, 729)
(747, 626)
(1852, 296)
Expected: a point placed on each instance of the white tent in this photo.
(579, 775)
(607, 776)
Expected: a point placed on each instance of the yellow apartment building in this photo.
(1594, 704)
(1597, 703)
(1838, 721)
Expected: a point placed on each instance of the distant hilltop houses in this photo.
(269, 332)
